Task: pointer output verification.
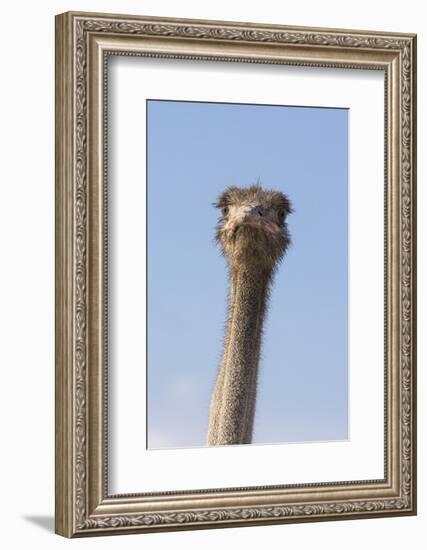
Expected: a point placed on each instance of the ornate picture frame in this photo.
(84, 506)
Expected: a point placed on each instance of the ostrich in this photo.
(253, 235)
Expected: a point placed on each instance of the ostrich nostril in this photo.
(259, 212)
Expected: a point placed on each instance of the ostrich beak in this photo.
(254, 216)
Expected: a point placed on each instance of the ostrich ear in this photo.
(287, 205)
(290, 207)
(224, 199)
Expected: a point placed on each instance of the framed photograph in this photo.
(235, 274)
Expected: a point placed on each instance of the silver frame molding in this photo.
(83, 43)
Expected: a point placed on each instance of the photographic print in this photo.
(235, 274)
(247, 274)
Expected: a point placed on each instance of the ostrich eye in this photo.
(224, 210)
(281, 215)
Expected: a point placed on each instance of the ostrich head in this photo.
(252, 229)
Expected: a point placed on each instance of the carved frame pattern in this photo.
(83, 507)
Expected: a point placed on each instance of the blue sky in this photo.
(196, 150)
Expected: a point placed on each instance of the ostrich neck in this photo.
(248, 295)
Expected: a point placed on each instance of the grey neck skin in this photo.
(233, 403)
